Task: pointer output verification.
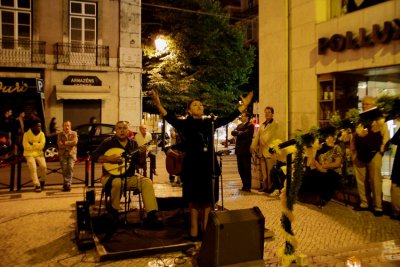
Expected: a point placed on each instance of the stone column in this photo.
(130, 63)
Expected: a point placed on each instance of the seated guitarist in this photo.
(111, 152)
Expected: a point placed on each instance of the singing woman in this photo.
(199, 165)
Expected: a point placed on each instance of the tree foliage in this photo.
(206, 58)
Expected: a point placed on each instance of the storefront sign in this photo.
(16, 85)
(339, 42)
(82, 80)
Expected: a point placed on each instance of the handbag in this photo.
(174, 161)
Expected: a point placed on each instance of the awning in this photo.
(82, 92)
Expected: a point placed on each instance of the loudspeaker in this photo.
(83, 226)
(232, 237)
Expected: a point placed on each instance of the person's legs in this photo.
(206, 213)
(247, 170)
(42, 169)
(63, 165)
(240, 166)
(375, 179)
(116, 193)
(264, 178)
(152, 157)
(145, 186)
(70, 169)
(360, 172)
(30, 161)
(194, 217)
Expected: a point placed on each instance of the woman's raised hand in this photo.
(247, 99)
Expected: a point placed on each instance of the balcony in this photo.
(81, 54)
(17, 52)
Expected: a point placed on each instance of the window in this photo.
(250, 4)
(15, 18)
(82, 21)
(250, 31)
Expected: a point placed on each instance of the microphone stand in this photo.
(125, 179)
(213, 178)
(127, 157)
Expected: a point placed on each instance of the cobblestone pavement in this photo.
(37, 229)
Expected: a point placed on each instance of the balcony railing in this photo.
(82, 54)
(22, 51)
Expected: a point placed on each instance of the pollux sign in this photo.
(339, 42)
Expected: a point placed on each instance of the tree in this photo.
(206, 58)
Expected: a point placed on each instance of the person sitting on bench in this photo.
(322, 172)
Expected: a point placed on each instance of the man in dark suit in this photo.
(244, 135)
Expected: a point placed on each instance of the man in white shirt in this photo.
(263, 138)
(143, 139)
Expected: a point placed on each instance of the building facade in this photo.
(320, 57)
(72, 59)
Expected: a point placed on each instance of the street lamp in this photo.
(161, 44)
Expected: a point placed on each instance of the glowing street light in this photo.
(161, 44)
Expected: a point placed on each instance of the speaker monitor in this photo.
(232, 237)
(83, 231)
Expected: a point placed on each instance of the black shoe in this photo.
(377, 213)
(66, 188)
(42, 183)
(38, 189)
(193, 238)
(359, 208)
(395, 217)
(151, 221)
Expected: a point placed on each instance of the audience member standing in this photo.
(32, 118)
(175, 140)
(34, 141)
(6, 125)
(18, 132)
(53, 129)
(143, 139)
(67, 141)
(93, 120)
(367, 148)
(244, 135)
(267, 133)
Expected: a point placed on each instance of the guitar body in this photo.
(115, 168)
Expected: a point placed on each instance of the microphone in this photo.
(212, 116)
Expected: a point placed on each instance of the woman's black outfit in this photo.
(197, 172)
(244, 135)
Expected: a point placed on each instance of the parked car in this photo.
(51, 148)
(231, 141)
(91, 135)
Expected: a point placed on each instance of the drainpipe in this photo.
(288, 56)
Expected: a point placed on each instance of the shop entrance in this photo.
(80, 111)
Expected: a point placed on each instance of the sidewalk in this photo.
(38, 228)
